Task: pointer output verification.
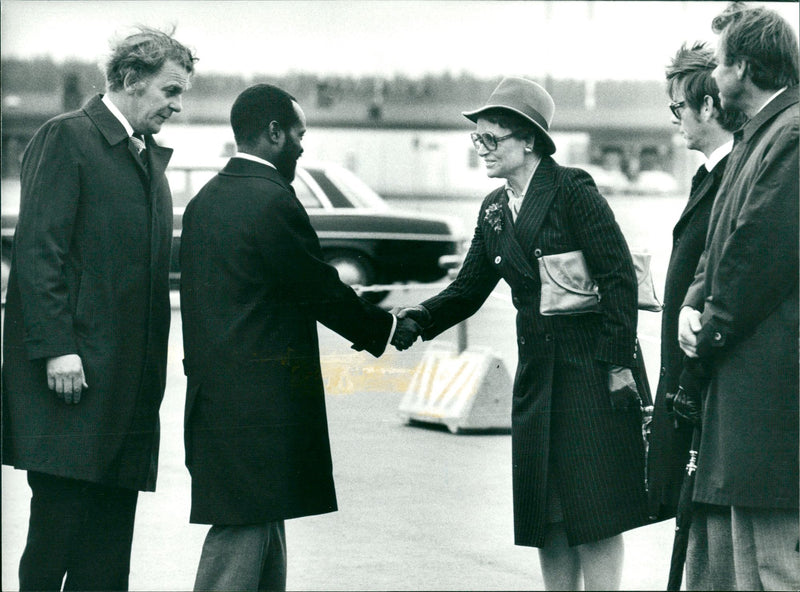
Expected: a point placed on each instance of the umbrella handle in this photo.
(691, 467)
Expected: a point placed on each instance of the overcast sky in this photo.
(631, 40)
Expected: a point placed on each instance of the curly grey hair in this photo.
(143, 54)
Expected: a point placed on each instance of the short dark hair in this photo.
(143, 54)
(518, 125)
(761, 38)
(692, 67)
(256, 107)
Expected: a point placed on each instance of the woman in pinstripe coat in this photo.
(577, 451)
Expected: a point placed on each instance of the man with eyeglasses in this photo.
(707, 128)
(740, 315)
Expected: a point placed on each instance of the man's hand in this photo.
(622, 389)
(689, 326)
(406, 333)
(685, 408)
(419, 313)
(65, 377)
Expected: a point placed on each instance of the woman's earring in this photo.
(528, 149)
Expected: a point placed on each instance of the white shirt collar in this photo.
(254, 158)
(117, 113)
(718, 154)
(769, 100)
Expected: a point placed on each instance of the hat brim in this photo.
(543, 134)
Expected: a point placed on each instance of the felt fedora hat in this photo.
(525, 98)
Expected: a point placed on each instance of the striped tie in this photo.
(138, 143)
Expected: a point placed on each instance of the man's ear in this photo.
(274, 132)
(133, 83)
(707, 108)
(742, 68)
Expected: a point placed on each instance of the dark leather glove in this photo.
(685, 406)
(622, 389)
(686, 409)
(405, 333)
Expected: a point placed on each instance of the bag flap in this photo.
(569, 271)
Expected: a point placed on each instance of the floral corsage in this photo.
(494, 216)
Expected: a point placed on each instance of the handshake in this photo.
(411, 322)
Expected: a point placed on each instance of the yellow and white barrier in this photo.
(467, 390)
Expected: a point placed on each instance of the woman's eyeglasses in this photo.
(488, 140)
(676, 107)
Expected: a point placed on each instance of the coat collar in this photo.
(538, 199)
(703, 190)
(241, 167)
(540, 194)
(114, 133)
(111, 127)
(784, 100)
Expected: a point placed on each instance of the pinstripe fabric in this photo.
(561, 405)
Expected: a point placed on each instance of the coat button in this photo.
(663, 371)
(634, 355)
(522, 340)
(537, 252)
(515, 300)
(497, 260)
(548, 337)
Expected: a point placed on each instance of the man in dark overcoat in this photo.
(87, 318)
(707, 127)
(741, 312)
(253, 286)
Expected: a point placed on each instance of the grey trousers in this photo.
(765, 548)
(243, 558)
(709, 555)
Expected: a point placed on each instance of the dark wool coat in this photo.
(89, 276)
(253, 286)
(669, 448)
(747, 286)
(561, 410)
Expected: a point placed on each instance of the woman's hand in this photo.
(622, 389)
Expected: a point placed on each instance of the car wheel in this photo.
(355, 269)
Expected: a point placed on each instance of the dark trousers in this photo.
(79, 529)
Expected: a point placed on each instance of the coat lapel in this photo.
(702, 191)
(114, 133)
(540, 195)
(159, 157)
(537, 202)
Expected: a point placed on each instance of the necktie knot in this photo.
(138, 143)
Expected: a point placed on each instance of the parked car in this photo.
(367, 241)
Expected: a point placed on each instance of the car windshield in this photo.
(345, 190)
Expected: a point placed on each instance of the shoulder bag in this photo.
(568, 287)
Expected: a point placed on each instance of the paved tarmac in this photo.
(419, 508)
